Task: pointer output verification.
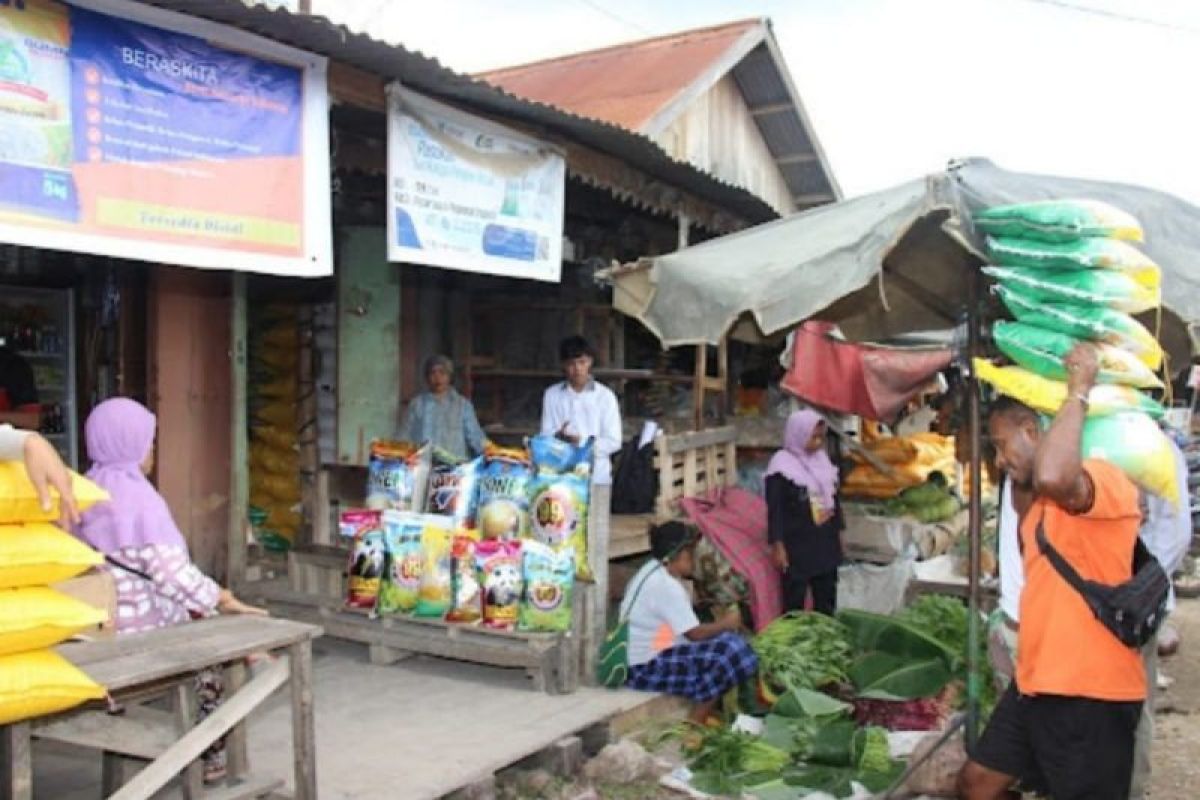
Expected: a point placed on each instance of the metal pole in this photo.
(975, 524)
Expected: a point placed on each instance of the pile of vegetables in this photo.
(802, 650)
(946, 620)
(929, 502)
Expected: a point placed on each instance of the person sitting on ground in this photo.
(670, 650)
(44, 467)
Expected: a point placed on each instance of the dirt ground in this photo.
(1176, 760)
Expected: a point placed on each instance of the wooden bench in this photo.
(688, 465)
(162, 664)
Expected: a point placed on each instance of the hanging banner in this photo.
(468, 194)
(133, 132)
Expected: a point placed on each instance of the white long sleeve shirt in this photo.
(1012, 571)
(594, 412)
(12, 443)
(1167, 531)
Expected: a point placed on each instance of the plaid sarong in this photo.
(699, 671)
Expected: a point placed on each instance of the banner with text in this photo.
(466, 193)
(137, 133)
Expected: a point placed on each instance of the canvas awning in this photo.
(888, 263)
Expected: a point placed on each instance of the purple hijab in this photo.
(120, 434)
(815, 471)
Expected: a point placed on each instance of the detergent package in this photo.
(1134, 443)
(434, 595)
(1131, 292)
(1059, 221)
(559, 495)
(466, 593)
(397, 476)
(1042, 351)
(403, 532)
(499, 567)
(502, 509)
(1094, 323)
(364, 573)
(549, 577)
(452, 491)
(1047, 396)
(1079, 254)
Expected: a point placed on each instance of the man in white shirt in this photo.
(579, 408)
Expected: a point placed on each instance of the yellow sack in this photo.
(281, 489)
(19, 500)
(39, 553)
(1047, 396)
(264, 458)
(890, 450)
(42, 682)
(279, 413)
(36, 617)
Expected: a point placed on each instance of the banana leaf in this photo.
(837, 781)
(798, 702)
(875, 633)
(882, 676)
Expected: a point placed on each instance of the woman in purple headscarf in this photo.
(157, 583)
(804, 517)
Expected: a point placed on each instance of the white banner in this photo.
(466, 193)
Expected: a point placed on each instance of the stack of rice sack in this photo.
(499, 540)
(275, 491)
(34, 680)
(910, 461)
(1067, 272)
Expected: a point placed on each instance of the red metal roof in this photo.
(626, 84)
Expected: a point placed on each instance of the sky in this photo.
(896, 88)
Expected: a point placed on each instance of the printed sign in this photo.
(137, 133)
(468, 194)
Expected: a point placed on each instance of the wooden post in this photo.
(699, 380)
(191, 783)
(235, 743)
(18, 762)
(684, 234)
(723, 376)
(239, 474)
(310, 457)
(304, 744)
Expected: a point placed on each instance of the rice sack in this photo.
(1042, 351)
(1079, 254)
(404, 561)
(1059, 221)
(502, 510)
(434, 597)
(466, 594)
(549, 577)
(1094, 323)
(397, 476)
(1047, 396)
(1135, 444)
(452, 494)
(1131, 292)
(499, 566)
(364, 573)
(559, 494)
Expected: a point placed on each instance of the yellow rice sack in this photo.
(36, 617)
(39, 553)
(19, 500)
(42, 682)
(1047, 396)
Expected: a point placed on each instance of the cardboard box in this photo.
(98, 589)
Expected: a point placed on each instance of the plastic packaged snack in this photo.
(559, 496)
(403, 534)
(502, 511)
(499, 566)
(466, 604)
(434, 598)
(398, 473)
(549, 578)
(364, 572)
(452, 491)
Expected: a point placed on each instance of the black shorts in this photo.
(1071, 748)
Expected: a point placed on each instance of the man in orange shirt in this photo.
(1066, 726)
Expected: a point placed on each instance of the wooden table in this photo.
(164, 663)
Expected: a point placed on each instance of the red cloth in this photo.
(868, 380)
(735, 521)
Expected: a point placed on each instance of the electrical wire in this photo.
(1116, 15)
(615, 17)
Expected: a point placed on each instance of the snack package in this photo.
(502, 511)
(1042, 351)
(1059, 221)
(365, 570)
(452, 491)
(558, 497)
(499, 567)
(404, 561)
(466, 602)
(1094, 323)
(435, 593)
(1131, 292)
(1079, 254)
(549, 587)
(354, 520)
(1047, 396)
(397, 476)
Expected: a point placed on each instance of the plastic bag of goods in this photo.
(1094, 323)
(1090, 253)
(466, 593)
(1131, 292)
(397, 475)
(502, 508)
(499, 566)
(364, 572)
(435, 593)
(1134, 443)
(549, 577)
(558, 497)
(452, 491)
(1042, 351)
(404, 562)
(1047, 396)
(1059, 221)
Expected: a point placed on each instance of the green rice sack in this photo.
(1079, 254)
(1042, 351)
(1135, 444)
(1047, 396)
(1094, 323)
(1059, 221)
(1131, 292)
(549, 586)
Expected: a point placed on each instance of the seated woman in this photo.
(442, 416)
(670, 650)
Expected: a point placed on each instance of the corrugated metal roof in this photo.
(635, 84)
(421, 73)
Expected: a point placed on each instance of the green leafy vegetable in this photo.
(725, 759)
(882, 676)
(947, 619)
(803, 650)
